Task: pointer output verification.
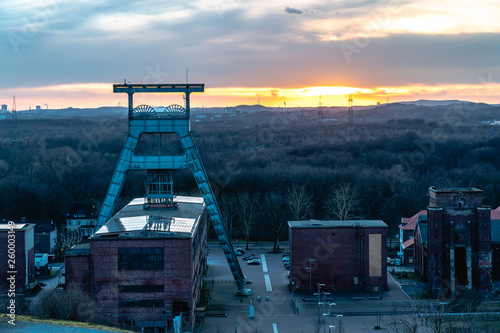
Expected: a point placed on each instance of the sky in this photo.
(59, 53)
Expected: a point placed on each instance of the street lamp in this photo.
(319, 299)
(310, 272)
(324, 309)
(329, 313)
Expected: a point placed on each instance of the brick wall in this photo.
(342, 258)
(77, 272)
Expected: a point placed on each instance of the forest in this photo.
(268, 167)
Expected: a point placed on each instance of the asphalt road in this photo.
(277, 314)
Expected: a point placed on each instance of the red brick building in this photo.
(342, 255)
(406, 240)
(145, 267)
(24, 260)
(453, 246)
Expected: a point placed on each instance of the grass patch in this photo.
(478, 323)
(66, 323)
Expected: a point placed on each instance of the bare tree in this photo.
(344, 203)
(405, 323)
(274, 212)
(299, 202)
(66, 240)
(437, 320)
(227, 205)
(246, 208)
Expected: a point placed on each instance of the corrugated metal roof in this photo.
(412, 221)
(409, 243)
(337, 224)
(495, 214)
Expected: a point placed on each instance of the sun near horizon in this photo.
(93, 95)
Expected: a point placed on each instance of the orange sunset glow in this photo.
(264, 52)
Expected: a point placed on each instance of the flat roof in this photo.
(455, 189)
(133, 221)
(337, 224)
(79, 250)
(17, 226)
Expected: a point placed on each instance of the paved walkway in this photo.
(274, 311)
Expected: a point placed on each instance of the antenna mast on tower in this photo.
(320, 121)
(14, 121)
(350, 119)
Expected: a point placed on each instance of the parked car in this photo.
(248, 255)
(286, 254)
(285, 259)
(253, 261)
(287, 265)
(239, 252)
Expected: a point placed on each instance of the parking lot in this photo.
(276, 313)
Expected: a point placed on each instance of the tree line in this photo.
(265, 168)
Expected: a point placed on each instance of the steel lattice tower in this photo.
(321, 131)
(350, 119)
(14, 122)
(174, 119)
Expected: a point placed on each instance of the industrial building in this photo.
(453, 245)
(406, 240)
(23, 263)
(342, 255)
(145, 267)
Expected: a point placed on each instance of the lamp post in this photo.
(310, 273)
(319, 299)
(329, 314)
(324, 309)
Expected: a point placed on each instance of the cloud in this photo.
(251, 45)
(291, 10)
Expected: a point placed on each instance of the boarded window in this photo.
(375, 254)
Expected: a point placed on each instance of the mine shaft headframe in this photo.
(131, 88)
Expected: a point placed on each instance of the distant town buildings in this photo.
(144, 268)
(453, 248)
(45, 234)
(342, 255)
(41, 264)
(80, 218)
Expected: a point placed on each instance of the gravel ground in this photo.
(410, 286)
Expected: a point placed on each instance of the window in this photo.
(145, 303)
(141, 289)
(132, 258)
